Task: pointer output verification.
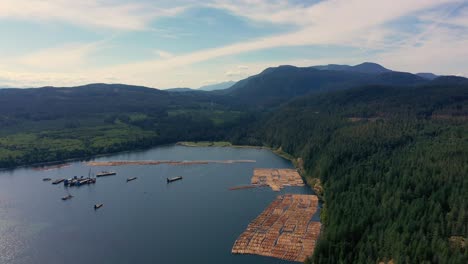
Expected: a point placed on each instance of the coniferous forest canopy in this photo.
(392, 157)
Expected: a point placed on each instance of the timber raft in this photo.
(168, 162)
(277, 178)
(284, 230)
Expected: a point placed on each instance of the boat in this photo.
(131, 179)
(75, 181)
(57, 181)
(46, 179)
(97, 206)
(67, 197)
(106, 173)
(174, 179)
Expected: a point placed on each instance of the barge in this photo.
(58, 181)
(173, 179)
(106, 173)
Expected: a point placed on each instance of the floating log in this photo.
(284, 230)
(168, 162)
(277, 178)
(242, 187)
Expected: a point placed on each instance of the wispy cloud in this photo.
(358, 24)
(90, 13)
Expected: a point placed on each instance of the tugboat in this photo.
(173, 179)
(131, 179)
(97, 206)
(67, 197)
(106, 173)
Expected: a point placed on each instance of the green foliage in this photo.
(395, 176)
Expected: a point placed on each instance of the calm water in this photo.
(194, 220)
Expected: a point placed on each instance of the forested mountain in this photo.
(277, 85)
(393, 162)
(366, 67)
(390, 148)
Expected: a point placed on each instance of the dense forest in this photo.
(394, 166)
(53, 124)
(391, 153)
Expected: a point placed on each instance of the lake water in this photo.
(194, 220)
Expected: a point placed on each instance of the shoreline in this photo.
(314, 183)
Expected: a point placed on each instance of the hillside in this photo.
(50, 124)
(393, 163)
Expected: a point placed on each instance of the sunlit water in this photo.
(195, 220)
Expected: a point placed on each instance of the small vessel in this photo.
(131, 179)
(106, 173)
(173, 179)
(97, 206)
(67, 197)
(46, 179)
(57, 181)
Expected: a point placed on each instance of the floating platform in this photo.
(174, 179)
(58, 181)
(168, 162)
(277, 178)
(284, 230)
(75, 181)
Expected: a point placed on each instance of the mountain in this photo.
(427, 75)
(180, 90)
(279, 84)
(218, 86)
(366, 67)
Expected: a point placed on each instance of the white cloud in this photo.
(352, 23)
(90, 13)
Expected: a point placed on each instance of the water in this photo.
(194, 220)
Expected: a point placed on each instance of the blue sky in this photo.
(179, 43)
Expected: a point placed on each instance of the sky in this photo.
(186, 43)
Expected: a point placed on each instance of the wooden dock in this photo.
(284, 230)
(277, 178)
